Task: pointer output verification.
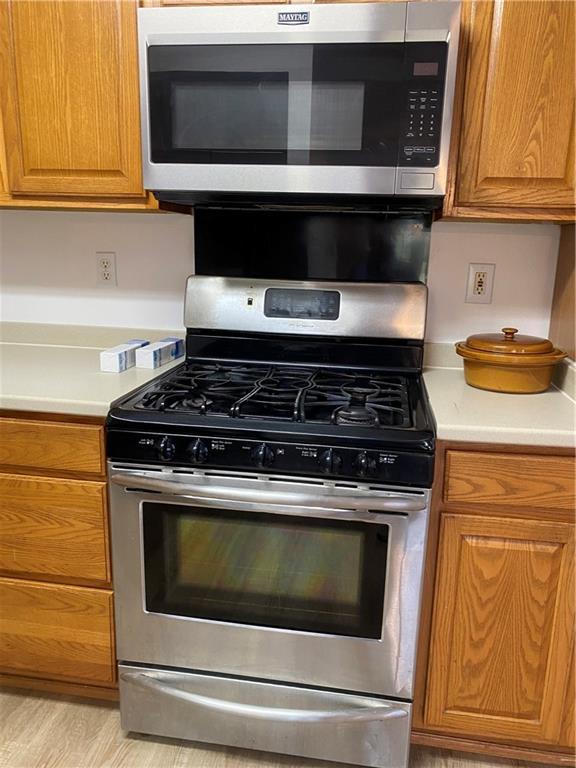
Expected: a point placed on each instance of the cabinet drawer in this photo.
(56, 631)
(52, 445)
(509, 480)
(53, 529)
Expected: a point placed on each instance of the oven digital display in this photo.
(302, 303)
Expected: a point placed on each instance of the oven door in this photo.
(268, 577)
(245, 100)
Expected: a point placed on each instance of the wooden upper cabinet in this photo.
(502, 638)
(516, 140)
(69, 97)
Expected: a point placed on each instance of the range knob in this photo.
(197, 451)
(166, 449)
(263, 455)
(330, 462)
(364, 465)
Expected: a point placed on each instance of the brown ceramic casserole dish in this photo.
(505, 362)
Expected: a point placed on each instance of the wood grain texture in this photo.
(453, 212)
(3, 173)
(68, 418)
(147, 204)
(503, 629)
(56, 631)
(516, 145)
(568, 727)
(38, 685)
(52, 445)
(69, 97)
(519, 481)
(562, 320)
(513, 754)
(54, 529)
(166, 3)
(50, 732)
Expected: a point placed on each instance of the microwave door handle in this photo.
(161, 684)
(259, 496)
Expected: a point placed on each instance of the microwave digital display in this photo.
(429, 68)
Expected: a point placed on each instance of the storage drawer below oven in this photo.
(255, 715)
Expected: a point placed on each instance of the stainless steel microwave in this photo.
(348, 99)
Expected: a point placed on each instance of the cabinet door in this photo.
(56, 631)
(69, 97)
(517, 136)
(502, 636)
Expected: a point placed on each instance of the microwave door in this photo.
(230, 105)
(274, 118)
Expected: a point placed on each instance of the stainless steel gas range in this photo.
(269, 502)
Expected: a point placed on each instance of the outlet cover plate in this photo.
(480, 283)
(106, 268)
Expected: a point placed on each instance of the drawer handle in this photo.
(161, 684)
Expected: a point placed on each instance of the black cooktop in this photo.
(301, 394)
(245, 403)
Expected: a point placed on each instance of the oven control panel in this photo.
(401, 467)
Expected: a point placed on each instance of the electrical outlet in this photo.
(106, 268)
(480, 283)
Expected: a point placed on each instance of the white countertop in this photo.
(469, 414)
(56, 369)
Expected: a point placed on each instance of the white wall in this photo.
(48, 267)
(48, 271)
(525, 256)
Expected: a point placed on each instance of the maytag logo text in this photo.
(294, 17)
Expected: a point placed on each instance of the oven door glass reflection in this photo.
(272, 570)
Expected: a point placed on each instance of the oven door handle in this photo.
(160, 683)
(259, 496)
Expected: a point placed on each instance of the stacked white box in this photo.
(160, 353)
(123, 356)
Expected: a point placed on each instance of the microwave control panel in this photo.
(419, 139)
(420, 142)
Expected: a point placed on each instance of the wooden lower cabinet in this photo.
(498, 627)
(502, 639)
(56, 607)
(54, 529)
(513, 482)
(59, 446)
(56, 631)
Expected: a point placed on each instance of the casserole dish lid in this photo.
(508, 342)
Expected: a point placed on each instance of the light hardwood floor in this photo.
(42, 731)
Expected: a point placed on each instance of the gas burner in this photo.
(356, 416)
(282, 393)
(361, 391)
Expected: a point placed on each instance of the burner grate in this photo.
(286, 393)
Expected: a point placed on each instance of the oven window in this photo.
(287, 104)
(306, 574)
